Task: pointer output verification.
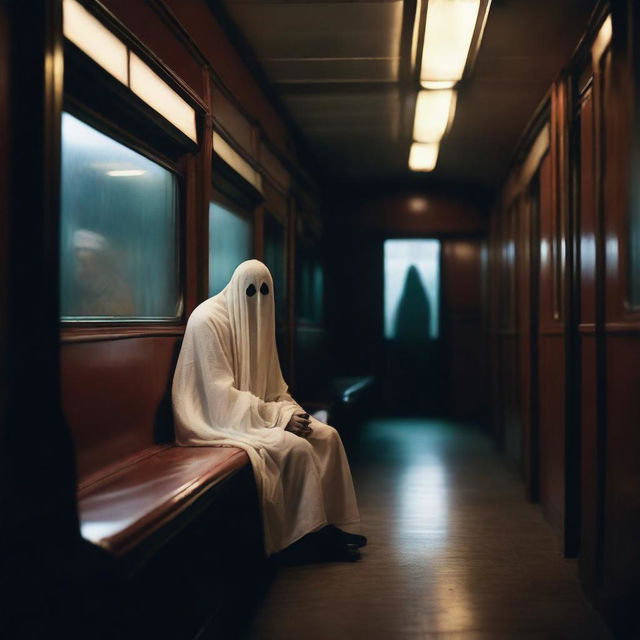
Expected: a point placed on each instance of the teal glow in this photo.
(230, 243)
(415, 290)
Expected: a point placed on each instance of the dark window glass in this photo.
(230, 243)
(310, 285)
(119, 240)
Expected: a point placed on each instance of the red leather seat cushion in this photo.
(121, 508)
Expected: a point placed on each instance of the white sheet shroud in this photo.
(228, 390)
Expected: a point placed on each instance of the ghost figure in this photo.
(228, 390)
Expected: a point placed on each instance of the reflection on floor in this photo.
(455, 552)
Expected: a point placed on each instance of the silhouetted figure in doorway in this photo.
(413, 317)
(412, 367)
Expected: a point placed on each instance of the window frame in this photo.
(122, 136)
(113, 109)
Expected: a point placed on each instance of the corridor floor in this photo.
(455, 552)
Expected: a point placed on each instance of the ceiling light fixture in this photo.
(447, 39)
(439, 84)
(423, 157)
(451, 27)
(434, 113)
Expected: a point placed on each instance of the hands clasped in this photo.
(299, 425)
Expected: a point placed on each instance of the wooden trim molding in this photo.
(100, 334)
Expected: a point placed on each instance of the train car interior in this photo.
(444, 193)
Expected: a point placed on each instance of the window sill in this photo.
(96, 334)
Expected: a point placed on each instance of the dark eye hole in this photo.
(251, 290)
(264, 289)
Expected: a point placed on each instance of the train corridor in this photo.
(454, 551)
(437, 203)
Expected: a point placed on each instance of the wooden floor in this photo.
(455, 552)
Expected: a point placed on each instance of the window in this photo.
(310, 284)
(230, 243)
(119, 240)
(411, 289)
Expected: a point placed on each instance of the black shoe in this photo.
(354, 539)
(322, 546)
(348, 553)
(337, 553)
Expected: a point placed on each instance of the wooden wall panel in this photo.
(238, 127)
(226, 62)
(116, 397)
(527, 269)
(552, 435)
(622, 507)
(551, 364)
(620, 73)
(145, 21)
(413, 214)
(462, 321)
(587, 228)
(588, 332)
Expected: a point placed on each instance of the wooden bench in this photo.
(346, 404)
(136, 489)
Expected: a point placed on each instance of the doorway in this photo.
(412, 284)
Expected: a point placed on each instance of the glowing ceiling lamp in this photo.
(434, 113)
(423, 156)
(447, 39)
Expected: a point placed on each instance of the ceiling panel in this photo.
(293, 71)
(335, 68)
(349, 113)
(325, 30)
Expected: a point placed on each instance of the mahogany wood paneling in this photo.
(551, 420)
(276, 202)
(587, 228)
(116, 397)
(620, 71)
(145, 22)
(415, 214)
(462, 323)
(227, 64)
(273, 167)
(588, 333)
(527, 276)
(238, 127)
(493, 301)
(551, 345)
(512, 431)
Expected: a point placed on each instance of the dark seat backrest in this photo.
(116, 397)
